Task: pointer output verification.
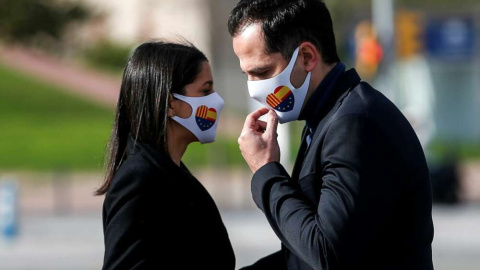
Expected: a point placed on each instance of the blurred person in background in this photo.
(156, 212)
(359, 196)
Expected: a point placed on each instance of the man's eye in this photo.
(206, 91)
(261, 73)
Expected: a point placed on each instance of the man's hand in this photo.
(258, 140)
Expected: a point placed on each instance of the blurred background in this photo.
(60, 70)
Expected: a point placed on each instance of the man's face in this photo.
(249, 46)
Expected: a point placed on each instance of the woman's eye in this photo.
(206, 91)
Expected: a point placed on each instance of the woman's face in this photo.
(201, 86)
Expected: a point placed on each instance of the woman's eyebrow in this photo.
(208, 82)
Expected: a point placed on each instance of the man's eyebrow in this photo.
(257, 70)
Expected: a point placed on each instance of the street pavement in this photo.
(52, 242)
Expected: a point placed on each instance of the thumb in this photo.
(272, 123)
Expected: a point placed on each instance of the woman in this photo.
(156, 213)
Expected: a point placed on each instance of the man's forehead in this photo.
(249, 46)
(251, 30)
(249, 41)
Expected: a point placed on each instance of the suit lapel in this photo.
(347, 86)
(326, 120)
(300, 155)
(351, 81)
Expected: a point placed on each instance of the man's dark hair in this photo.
(286, 24)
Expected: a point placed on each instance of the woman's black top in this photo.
(157, 215)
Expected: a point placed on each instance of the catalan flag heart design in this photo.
(205, 117)
(281, 99)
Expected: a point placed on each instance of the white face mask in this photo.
(279, 94)
(204, 118)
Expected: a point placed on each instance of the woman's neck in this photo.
(177, 144)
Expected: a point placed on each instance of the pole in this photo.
(383, 18)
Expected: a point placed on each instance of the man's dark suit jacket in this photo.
(359, 196)
(157, 215)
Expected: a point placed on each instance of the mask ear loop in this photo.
(182, 98)
(295, 54)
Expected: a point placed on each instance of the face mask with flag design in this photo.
(279, 94)
(204, 118)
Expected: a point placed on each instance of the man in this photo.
(359, 195)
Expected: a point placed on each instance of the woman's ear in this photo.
(310, 55)
(171, 110)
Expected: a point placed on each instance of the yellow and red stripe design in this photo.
(205, 117)
(202, 112)
(205, 113)
(279, 95)
(211, 115)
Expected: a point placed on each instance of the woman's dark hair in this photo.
(288, 23)
(154, 70)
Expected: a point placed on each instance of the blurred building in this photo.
(130, 21)
(446, 42)
(433, 76)
(203, 22)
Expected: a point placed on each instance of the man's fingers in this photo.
(253, 117)
(272, 123)
(261, 126)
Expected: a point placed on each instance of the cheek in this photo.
(184, 110)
